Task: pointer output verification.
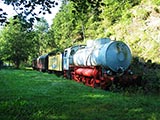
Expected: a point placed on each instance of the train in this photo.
(100, 63)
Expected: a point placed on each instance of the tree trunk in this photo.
(17, 63)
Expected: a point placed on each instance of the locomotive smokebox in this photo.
(106, 53)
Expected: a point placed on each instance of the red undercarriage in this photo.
(93, 76)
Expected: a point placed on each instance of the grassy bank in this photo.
(31, 95)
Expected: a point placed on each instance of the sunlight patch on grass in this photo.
(94, 96)
(136, 110)
(56, 117)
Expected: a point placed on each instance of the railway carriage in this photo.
(42, 63)
(55, 62)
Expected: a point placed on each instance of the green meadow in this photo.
(32, 95)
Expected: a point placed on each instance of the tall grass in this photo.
(31, 95)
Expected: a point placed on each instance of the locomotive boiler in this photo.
(114, 55)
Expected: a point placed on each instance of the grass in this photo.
(31, 95)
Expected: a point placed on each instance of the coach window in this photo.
(72, 52)
(65, 53)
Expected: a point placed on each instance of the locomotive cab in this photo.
(68, 59)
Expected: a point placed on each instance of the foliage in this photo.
(150, 75)
(63, 27)
(17, 42)
(80, 20)
(21, 44)
(42, 25)
(72, 22)
(27, 94)
(41, 30)
(3, 17)
(157, 2)
(87, 8)
(26, 9)
(139, 31)
(114, 9)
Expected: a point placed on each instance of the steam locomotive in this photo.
(99, 63)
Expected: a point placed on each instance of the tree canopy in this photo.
(17, 42)
(26, 9)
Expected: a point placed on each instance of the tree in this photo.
(26, 9)
(88, 7)
(75, 18)
(17, 42)
(41, 30)
(63, 26)
(42, 25)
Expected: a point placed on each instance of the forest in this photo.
(136, 22)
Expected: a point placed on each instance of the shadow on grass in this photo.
(150, 74)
